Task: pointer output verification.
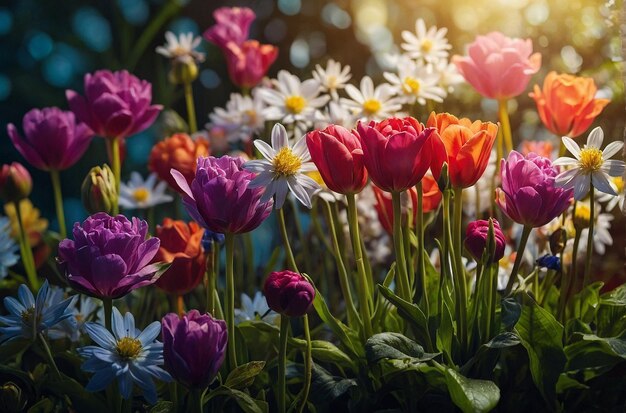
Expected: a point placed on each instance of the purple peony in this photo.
(219, 197)
(528, 195)
(194, 346)
(109, 256)
(53, 138)
(116, 104)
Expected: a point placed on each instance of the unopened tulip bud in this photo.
(444, 180)
(98, 190)
(288, 293)
(477, 239)
(15, 182)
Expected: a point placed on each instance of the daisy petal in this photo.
(601, 182)
(595, 138)
(612, 148)
(571, 146)
(614, 167)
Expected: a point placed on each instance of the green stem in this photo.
(210, 281)
(459, 269)
(398, 244)
(282, 363)
(26, 251)
(362, 289)
(568, 280)
(191, 109)
(58, 201)
(518, 259)
(229, 301)
(283, 232)
(107, 303)
(308, 364)
(196, 401)
(117, 170)
(592, 218)
(492, 274)
(46, 349)
(422, 293)
(445, 253)
(506, 125)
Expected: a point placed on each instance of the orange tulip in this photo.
(567, 104)
(464, 145)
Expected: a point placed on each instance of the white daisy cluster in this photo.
(242, 118)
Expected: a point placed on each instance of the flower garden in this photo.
(325, 242)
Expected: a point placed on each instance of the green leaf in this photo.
(410, 312)
(42, 406)
(244, 400)
(541, 335)
(593, 352)
(163, 406)
(243, 376)
(511, 312)
(505, 339)
(566, 382)
(611, 315)
(587, 302)
(325, 387)
(392, 346)
(325, 351)
(82, 400)
(471, 395)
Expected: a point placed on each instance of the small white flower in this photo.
(334, 114)
(449, 75)
(427, 45)
(591, 166)
(283, 169)
(140, 194)
(614, 200)
(241, 118)
(372, 103)
(601, 230)
(181, 48)
(333, 78)
(416, 82)
(254, 309)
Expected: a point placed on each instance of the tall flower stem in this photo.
(58, 202)
(282, 363)
(191, 109)
(46, 349)
(26, 251)
(117, 169)
(518, 259)
(398, 244)
(308, 364)
(291, 260)
(422, 294)
(445, 253)
(506, 126)
(210, 281)
(107, 303)
(568, 280)
(459, 269)
(592, 218)
(362, 286)
(196, 404)
(229, 300)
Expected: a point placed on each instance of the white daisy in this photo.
(614, 200)
(449, 75)
(241, 118)
(601, 230)
(292, 101)
(181, 48)
(416, 82)
(334, 114)
(591, 166)
(333, 78)
(283, 169)
(140, 194)
(254, 309)
(372, 103)
(427, 45)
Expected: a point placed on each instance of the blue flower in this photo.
(128, 355)
(29, 316)
(8, 247)
(73, 326)
(209, 237)
(550, 262)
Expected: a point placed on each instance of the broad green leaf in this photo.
(325, 387)
(566, 382)
(410, 312)
(593, 352)
(244, 400)
(325, 351)
(587, 301)
(392, 346)
(541, 335)
(504, 339)
(82, 400)
(611, 316)
(511, 312)
(42, 406)
(243, 376)
(163, 406)
(471, 395)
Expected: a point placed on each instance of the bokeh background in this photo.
(47, 47)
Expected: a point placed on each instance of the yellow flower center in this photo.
(128, 348)
(619, 183)
(295, 104)
(331, 81)
(141, 194)
(371, 106)
(250, 117)
(411, 85)
(286, 163)
(426, 45)
(590, 159)
(317, 177)
(582, 215)
(27, 315)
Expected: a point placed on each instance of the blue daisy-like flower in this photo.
(125, 353)
(83, 309)
(8, 247)
(29, 316)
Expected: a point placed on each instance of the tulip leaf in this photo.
(471, 395)
(410, 312)
(82, 400)
(325, 387)
(392, 346)
(243, 376)
(325, 351)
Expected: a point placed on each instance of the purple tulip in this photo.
(528, 195)
(116, 104)
(194, 346)
(109, 256)
(476, 239)
(53, 138)
(219, 197)
(288, 293)
(231, 25)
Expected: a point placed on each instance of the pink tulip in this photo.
(499, 67)
(249, 62)
(231, 25)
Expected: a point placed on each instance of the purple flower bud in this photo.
(116, 104)
(194, 346)
(53, 139)
(232, 24)
(476, 239)
(220, 198)
(15, 182)
(288, 293)
(109, 256)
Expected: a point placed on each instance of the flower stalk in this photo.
(518, 259)
(229, 300)
(505, 124)
(398, 243)
(589, 255)
(27, 253)
(58, 201)
(191, 109)
(282, 363)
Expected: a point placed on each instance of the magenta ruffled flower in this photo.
(116, 104)
(528, 195)
(232, 24)
(194, 347)
(476, 239)
(109, 256)
(53, 138)
(220, 198)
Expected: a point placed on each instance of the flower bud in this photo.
(15, 182)
(477, 239)
(288, 293)
(582, 216)
(444, 179)
(557, 241)
(98, 190)
(550, 262)
(183, 71)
